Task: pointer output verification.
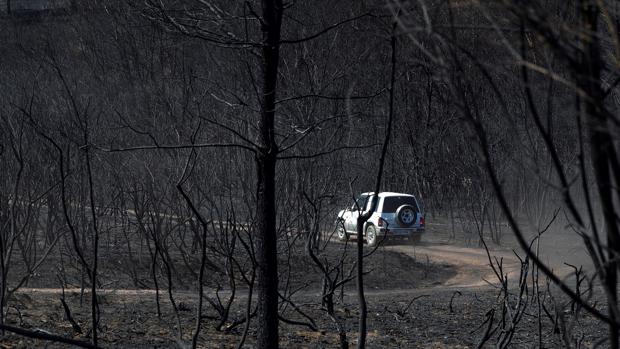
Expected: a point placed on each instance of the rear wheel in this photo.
(371, 235)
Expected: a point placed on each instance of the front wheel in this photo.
(341, 232)
(371, 235)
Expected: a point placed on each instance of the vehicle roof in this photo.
(387, 193)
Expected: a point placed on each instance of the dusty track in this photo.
(471, 265)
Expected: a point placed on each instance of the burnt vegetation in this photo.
(171, 172)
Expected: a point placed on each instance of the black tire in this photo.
(341, 232)
(406, 215)
(371, 235)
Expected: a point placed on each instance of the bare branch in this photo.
(330, 151)
(325, 30)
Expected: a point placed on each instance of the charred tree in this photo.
(266, 158)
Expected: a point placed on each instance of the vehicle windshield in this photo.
(392, 203)
(360, 202)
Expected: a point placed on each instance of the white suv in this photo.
(396, 214)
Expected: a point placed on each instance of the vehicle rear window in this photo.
(392, 203)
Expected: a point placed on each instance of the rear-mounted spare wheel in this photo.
(406, 215)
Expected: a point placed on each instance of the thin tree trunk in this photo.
(93, 280)
(363, 218)
(361, 298)
(203, 260)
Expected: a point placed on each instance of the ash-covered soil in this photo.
(433, 295)
(407, 320)
(391, 266)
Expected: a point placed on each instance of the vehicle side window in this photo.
(392, 203)
(373, 199)
(361, 202)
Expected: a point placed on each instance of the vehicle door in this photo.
(354, 211)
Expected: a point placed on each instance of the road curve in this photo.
(471, 264)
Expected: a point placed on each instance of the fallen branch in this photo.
(39, 334)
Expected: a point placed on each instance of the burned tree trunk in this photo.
(266, 239)
(603, 155)
(374, 199)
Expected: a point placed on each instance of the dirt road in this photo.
(557, 249)
(471, 264)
